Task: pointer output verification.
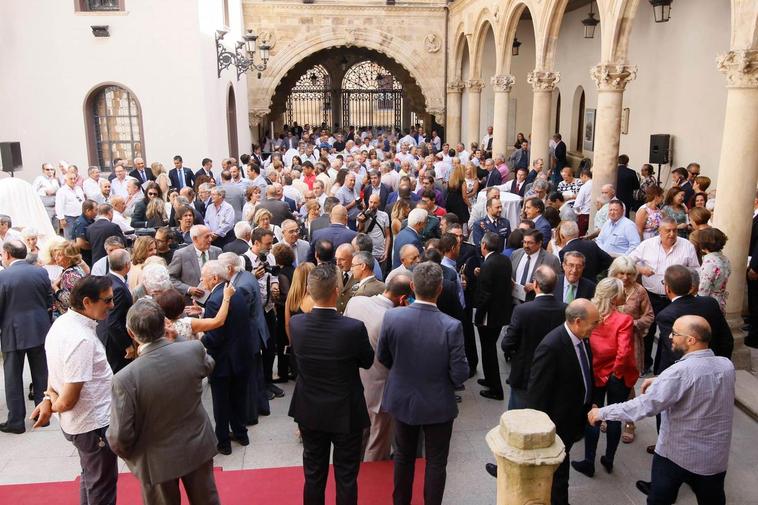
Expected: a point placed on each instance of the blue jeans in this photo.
(617, 392)
(667, 477)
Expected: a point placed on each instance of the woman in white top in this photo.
(46, 185)
(177, 315)
(262, 219)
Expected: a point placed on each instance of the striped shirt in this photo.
(651, 253)
(695, 397)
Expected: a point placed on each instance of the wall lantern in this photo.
(661, 10)
(243, 57)
(589, 24)
(516, 45)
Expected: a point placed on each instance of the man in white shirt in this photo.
(68, 204)
(119, 206)
(118, 184)
(79, 386)
(408, 139)
(91, 185)
(486, 142)
(583, 202)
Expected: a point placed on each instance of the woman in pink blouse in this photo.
(614, 369)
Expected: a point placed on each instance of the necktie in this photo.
(525, 274)
(515, 188)
(571, 293)
(142, 176)
(345, 277)
(203, 258)
(585, 365)
(180, 178)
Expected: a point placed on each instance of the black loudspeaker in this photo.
(660, 149)
(10, 156)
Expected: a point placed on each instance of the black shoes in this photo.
(650, 449)
(10, 429)
(482, 382)
(607, 464)
(585, 467)
(276, 391)
(243, 441)
(225, 448)
(643, 486)
(491, 469)
(491, 395)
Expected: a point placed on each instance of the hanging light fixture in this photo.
(516, 45)
(589, 24)
(661, 10)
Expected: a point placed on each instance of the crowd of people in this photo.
(362, 264)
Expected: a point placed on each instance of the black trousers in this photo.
(469, 340)
(488, 336)
(257, 396)
(437, 447)
(269, 352)
(347, 460)
(658, 303)
(560, 493)
(13, 370)
(616, 392)
(667, 477)
(230, 397)
(282, 367)
(99, 467)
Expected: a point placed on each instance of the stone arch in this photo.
(483, 25)
(507, 32)
(461, 50)
(616, 18)
(554, 12)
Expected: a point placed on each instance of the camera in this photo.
(368, 214)
(263, 260)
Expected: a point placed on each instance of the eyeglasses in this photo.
(152, 193)
(675, 333)
(107, 299)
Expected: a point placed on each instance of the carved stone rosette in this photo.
(612, 77)
(542, 80)
(475, 85)
(503, 83)
(455, 87)
(740, 68)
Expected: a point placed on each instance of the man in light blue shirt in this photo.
(219, 217)
(619, 235)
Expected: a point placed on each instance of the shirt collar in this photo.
(422, 302)
(118, 276)
(82, 319)
(325, 308)
(704, 353)
(364, 281)
(574, 339)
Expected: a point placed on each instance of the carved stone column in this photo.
(543, 83)
(610, 81)
(474, 88)
(738, 174)
(453, 116)
(502, 85)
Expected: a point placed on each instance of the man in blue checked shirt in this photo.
(619, 235)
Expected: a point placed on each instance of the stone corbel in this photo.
(255, 116)
(609, 77)
(475, 85)
(543, 80)
(503, 83)
(455, 87)
(740, 67)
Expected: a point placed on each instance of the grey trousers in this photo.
(99, 467)
(199, 485)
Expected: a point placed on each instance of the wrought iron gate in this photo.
(378, 109)
(310, 101)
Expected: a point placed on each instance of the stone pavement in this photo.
(44, 456)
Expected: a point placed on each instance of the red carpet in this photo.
(275, 486)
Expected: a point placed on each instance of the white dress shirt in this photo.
(91, 189)
(650, 253)
(522, 265)
(68, 201)
(583, 198)
(118, 187)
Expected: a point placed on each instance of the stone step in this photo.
(746, 393)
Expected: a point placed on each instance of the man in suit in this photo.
(344, 260)
(560, 383)
(596, 260)
(291, 237)
(185, 266)
(517, 186)
(206, 169)
(112, 331)
(337, 232)
(140, 172)
(626, 183)
(180, 176)
(491, 175)
(371, 309)
(751, 340)
(572, 284)
(241, 244)
(231, 346)
(324, 220)
(411, 234)
(492, 222)
(165, 374)
(560, 153)
(527, 259)
(235, 194)
(493, 304)
(680, 177)
(534, 208)
(25, 296)
(376, 186)
(99, 231)
(362, 269)
(423, 350)
(280, 211)
(328, 403)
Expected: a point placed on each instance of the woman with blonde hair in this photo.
(638, 306)
(68, 257)
(156, 213)
(613, 367)
(161, 177)
(143, 248)
(262, 219)
(298, 300)
(252, 198)
(458, 197)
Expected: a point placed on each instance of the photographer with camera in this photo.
(350, 198)
(376, 224)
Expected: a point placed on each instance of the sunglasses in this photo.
(151, 193)
(107, 299)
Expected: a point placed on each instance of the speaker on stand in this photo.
(660, 151)
(10, 156)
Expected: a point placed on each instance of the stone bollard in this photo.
(527, 453)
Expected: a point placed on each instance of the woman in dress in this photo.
(252, 198)
(700, 200)
(456, 195)
(673, 207)
(177, 314)
(519, 140)
(285, 258)
(67, 257)
(716, 268)
(262, 219)
(638, 306)
(339, 181)
(31, 237)
(614, 370)
(647, 179)
(143, 248)
(298, 299)
(648, 217)
(472, 184)
(161, 177)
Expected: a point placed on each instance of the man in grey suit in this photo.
(526, 260)
(423, 349)
(163, 445)
(25, 295)
(290, 234)
(235, 194)
(185, 266)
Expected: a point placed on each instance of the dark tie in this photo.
(203, 258)
(489, 144)
(180, 178)
(345, 278)
(585, 364)
(525, 274)
(142, 176)
(515, 188)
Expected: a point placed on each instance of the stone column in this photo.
(528, 452)
(453, 116)
(502, 85)
(255, 117)
(474, 87)
(738, 174)
(610, 81)
(543, 83)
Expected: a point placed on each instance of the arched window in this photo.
(114, 126)
(231, 123)
(578, 111)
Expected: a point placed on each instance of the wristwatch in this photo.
(47, 397)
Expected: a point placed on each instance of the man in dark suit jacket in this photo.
(560, 153)
(678, 284)
(141, 172)
(180, 176)
(560, 383)
(572, 284)
(595, 259)
(376, 186)
(328, 403)
(751, 340)
(25, 296)
(411, 234)
(492, 222)
(165, 374)
(100, 230)
(231, 346)
(112, 330)
(424, 352)
(206, 169)
(493, 304)
(627, 183)
(530, 322)
(280, 211)
(337, 232)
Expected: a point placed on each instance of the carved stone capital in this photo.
(475, 85)
(542, 80)
(455, 87)
(437, 112)
(255, 116)
(613, 77)
(503, 83)
(740, 68)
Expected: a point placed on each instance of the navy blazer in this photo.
(543, 225)
(384, 193)
(25, 299)
(493, 298)
(231, 345)
(491, 178)
(595, 259)
(329, 348)
(585, 289)
(500, 227)
(112, 330)
(189, 178)
(247, 284)
(406, 236)
(423, 350)
(337, 234)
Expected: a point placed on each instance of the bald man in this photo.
(337, 232)
(280, 211)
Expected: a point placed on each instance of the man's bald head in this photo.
(344, 257)
(581, 317)
(694, 326)
(270, 192)
(338, 215)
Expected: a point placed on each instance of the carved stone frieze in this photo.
(740, 68)
(543, 80)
